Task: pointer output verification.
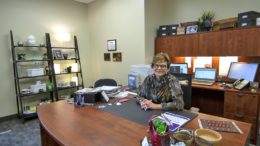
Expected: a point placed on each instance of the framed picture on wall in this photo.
(107, 57)
(111, 45)
(117, 57)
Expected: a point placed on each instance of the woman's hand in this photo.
(148, 104)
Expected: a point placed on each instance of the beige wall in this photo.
(122, 20)
(26, 17)
(177, 11)
(154, 10)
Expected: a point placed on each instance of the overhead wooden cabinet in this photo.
(161, 45)
(212, 43)
(244, 42)
(186, 45)
(183, 45)
(235, 42)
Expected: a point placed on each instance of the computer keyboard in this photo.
(203, 82)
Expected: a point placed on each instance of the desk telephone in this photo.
(240, 84)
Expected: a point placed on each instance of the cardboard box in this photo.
(37, 88)
(35, 72)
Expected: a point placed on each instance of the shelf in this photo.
(31, 115)
(29, 46)
(67, 59)
(32, 60)
(67, 73)
(63, 88)
(63, 47)
(27, 77)
(31, 94)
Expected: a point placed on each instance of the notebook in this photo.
(204, 76)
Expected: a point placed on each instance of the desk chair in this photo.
(185, 88)
(105, 82)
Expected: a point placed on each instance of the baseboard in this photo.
(8, 117)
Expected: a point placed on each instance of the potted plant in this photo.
(206, 19)
(44, 56)
(21, 56)
(69, 69)
(159, 131)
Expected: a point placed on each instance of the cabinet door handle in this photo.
(240, 94)
(239, 116)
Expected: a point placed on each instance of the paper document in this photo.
(124, 94)
(174, 121)
(108, 88)
(87, 90)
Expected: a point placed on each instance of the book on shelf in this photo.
(226, 126)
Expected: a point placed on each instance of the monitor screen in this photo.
(205, 73)
(239, 70)
(179, 68)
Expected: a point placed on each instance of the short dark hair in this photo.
(161, 56)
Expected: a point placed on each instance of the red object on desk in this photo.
(123, 100)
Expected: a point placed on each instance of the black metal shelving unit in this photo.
(76, 59)
(54, 94)
(17, 79)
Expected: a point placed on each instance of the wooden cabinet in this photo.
(213, 43)
(183, 45)
(244, 42)
(234, 42)
(243, 107)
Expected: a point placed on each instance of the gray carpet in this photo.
(16, 133)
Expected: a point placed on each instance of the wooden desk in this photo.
(228, 103)
(65, 124)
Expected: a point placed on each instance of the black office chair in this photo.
(185, 88)
(105, 82)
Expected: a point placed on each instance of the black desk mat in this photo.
(131, 110)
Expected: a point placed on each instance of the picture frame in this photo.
(107, 57)
(117, 57)
(111, 45)
(57, 54)
(191, 29)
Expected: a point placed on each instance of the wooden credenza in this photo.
(243, 107)
(233, 42)
(229, 103)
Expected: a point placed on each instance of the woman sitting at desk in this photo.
(160, 90)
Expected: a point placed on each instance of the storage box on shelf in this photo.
(227, 23)
(247, 18)
(165, 30)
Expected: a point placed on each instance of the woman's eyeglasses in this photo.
(161, 66)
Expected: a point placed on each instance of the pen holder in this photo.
(158, 139)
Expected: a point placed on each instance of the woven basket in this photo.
(210, 135)
(183, 136)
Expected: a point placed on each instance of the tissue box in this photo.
(35, 72)
(37, 88)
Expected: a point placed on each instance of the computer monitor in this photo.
(179, 68)
(239, 70)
